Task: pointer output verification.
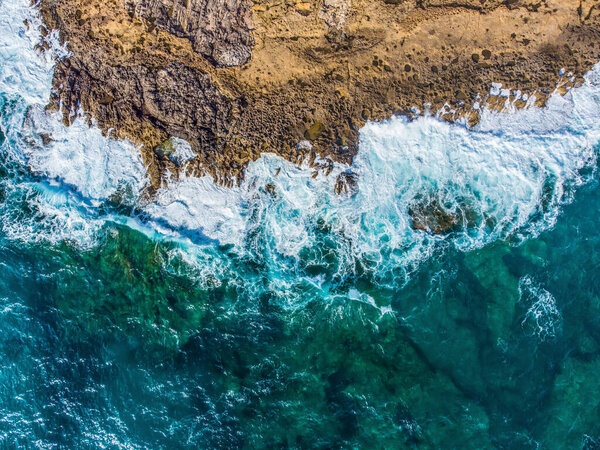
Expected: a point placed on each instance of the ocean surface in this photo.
(278, 314)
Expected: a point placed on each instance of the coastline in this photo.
(315, 73)
(282, 313)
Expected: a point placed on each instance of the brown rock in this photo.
(235, 77)
(346, 183)
(218, 30)
(431, 216)
(304, 8)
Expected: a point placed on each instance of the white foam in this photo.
(508, 177)
(80, 156)
(543, 319)
(81, 167)
(24, 72)
(199, 206)
(512, 171)
(495, 89)
(183, 151)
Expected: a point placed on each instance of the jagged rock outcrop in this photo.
(237, 79)
(219, 30)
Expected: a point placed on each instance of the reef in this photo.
(301, 77)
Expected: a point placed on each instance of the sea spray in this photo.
(507, 178)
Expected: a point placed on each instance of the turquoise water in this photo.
(291, 316)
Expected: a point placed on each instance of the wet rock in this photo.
(37, 126)
(165, 149)
(431, 216)
(46, 138)
(271, 189)
(346, 183)
(177, 150)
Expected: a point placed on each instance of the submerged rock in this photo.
(431, 216)
(574, 418)
(132, 292)
(500, 286)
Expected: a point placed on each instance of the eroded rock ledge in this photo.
(236, 78)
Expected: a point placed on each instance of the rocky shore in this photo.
(237, 78)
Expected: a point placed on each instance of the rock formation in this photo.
(219, 30)
(237, 78)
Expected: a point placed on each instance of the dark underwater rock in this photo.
(431, 216)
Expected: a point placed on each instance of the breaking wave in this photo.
(414, 188)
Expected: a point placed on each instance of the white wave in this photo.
(80, 156)
(24, 72)
(507, 177)
(198, 205)
(81, 167)
(50, 216)
(512, 172)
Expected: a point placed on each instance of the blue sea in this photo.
(278, 313)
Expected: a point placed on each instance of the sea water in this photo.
(278, 313)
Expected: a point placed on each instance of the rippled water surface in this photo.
(280, 314)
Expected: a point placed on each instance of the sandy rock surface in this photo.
(237, 78)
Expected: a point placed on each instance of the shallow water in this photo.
(290, 316)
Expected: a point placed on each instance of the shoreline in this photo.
(314, 74)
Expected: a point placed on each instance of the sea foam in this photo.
(542, 319)
(508, 177)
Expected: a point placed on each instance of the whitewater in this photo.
(278, 312)
(513, 171)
